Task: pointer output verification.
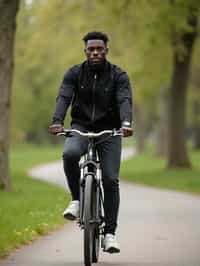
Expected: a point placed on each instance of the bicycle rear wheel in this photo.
(89, 217)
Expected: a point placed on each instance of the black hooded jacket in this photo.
(99, 99)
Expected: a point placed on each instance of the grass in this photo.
(32, 208)
(147, 170)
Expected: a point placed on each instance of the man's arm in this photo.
(63, 101)
(124, 100)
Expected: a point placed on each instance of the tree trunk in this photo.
(196, 125)
(177, 152)
(8, 11)
(162, 137)
(140, 128)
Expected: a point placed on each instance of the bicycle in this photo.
(91, 214)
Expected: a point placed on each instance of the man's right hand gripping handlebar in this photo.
(56, 128)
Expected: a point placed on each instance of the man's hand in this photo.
(126, 131)
(56, 128)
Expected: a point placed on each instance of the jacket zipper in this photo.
(93, 97)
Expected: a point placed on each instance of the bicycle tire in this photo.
(96, 235)
(88, 216)
(96, 246)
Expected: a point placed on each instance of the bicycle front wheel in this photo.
(88, 220)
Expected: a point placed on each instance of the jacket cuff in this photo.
(57, 122)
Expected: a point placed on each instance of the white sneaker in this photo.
(72, 211)
(110, 244)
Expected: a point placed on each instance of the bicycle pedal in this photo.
(79, 222)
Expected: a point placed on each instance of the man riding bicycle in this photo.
(100, 97)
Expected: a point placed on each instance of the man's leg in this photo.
(110, 155)
(74, 148)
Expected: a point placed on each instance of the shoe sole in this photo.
(70, 217)
(112, 250)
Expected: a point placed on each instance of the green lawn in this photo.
(33, 207)
(148, 170)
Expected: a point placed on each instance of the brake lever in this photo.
(117, 133)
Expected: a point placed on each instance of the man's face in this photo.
(96, 51)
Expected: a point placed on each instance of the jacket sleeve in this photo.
(64, 97)
(124, 98)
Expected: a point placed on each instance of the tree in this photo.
(8, 11)
(193, 113)
(162, 138)
(183, 39)
(165, 48)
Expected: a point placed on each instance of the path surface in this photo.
(53, 172)
(157, 228)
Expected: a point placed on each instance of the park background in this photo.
(156, 42)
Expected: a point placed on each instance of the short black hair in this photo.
(96, 35)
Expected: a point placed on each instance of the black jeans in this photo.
(109, 154)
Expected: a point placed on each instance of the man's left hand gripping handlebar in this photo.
(55, 129)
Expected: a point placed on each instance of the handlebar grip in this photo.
(66, 134)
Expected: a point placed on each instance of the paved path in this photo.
(157, 228)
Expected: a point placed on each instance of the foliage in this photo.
(42, 57)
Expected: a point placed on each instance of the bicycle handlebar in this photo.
(113, 132)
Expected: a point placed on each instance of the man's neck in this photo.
(97, 67)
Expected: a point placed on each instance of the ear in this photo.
(85, 50)
(107, 50)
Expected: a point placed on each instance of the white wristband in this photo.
(126, 123)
